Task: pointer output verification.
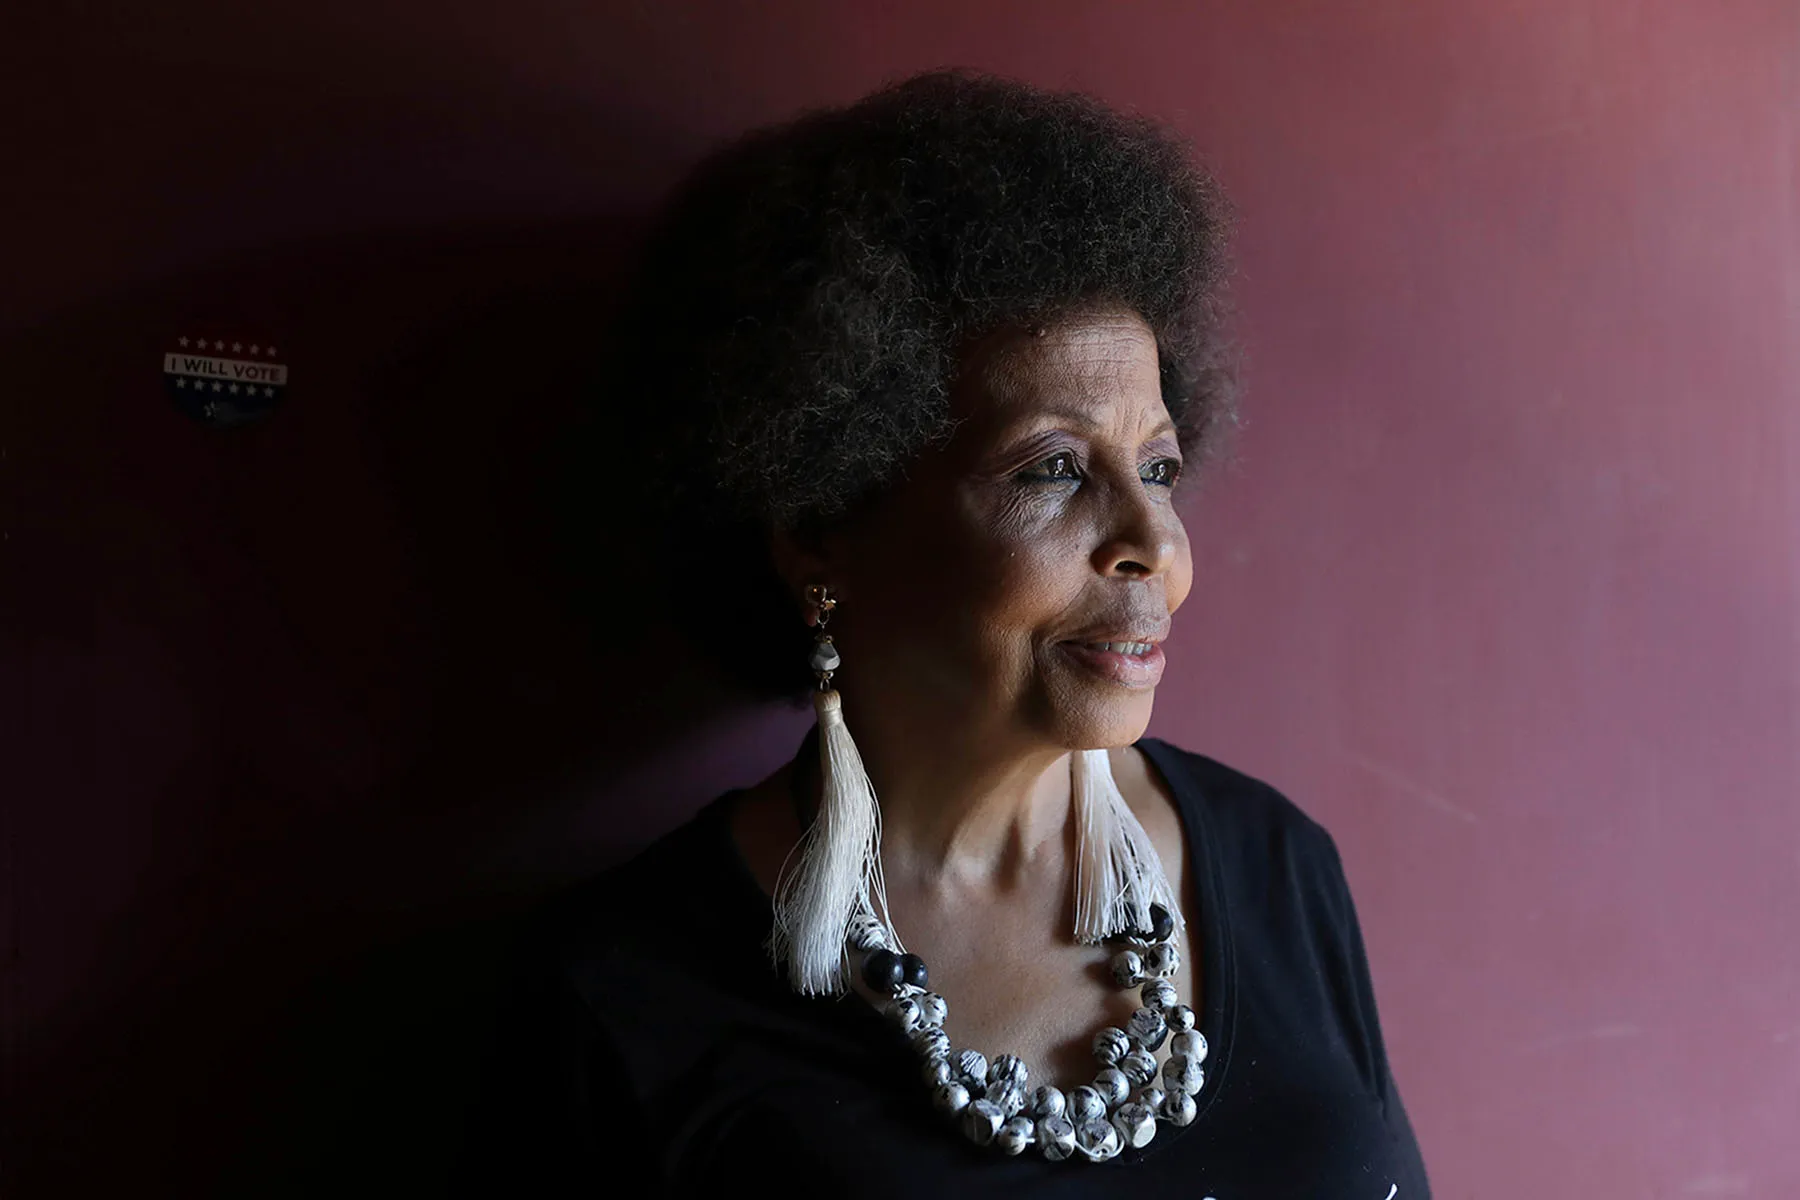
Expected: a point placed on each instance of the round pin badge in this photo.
(224, 381)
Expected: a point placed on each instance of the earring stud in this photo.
(825, 658)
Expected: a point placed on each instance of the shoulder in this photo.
(1233, 799)
(1256, 828)
(669, 885)
(581, 1031)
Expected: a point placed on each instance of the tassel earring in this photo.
(833, 897)
(1118, 874)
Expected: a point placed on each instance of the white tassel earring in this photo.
(835, 883)
(1118, 874)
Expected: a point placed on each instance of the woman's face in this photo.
(980, 591)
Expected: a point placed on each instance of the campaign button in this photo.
(224, 381)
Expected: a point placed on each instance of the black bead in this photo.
(1162, 925)
(882, 970)
(912, 970)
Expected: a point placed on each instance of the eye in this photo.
(1058, 468)
(1164, 471)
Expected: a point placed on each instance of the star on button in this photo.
(183, 341)
(215, 386)
(181, 383)
(234, 389)
(253, 348)
(218, 345)
(236, 346)
(271, 352)
(268, 391)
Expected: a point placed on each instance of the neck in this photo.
(979, 809)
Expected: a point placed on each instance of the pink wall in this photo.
(1505, 591)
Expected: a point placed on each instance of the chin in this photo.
(1097, 702)
(1101, 723)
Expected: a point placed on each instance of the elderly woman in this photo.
(928, 371)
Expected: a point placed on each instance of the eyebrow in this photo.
(1086, 419)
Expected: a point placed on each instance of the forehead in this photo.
(1100, 365)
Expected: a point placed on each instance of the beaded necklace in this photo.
(993, 1102)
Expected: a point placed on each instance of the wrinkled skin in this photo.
(1046, 518)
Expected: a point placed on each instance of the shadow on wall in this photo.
(319, 704)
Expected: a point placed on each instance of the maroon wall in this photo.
(1505, 590)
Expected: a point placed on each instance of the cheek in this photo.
(986, 573)
(1034, 583)
(1036, 553)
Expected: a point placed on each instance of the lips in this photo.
(1136, 649)
(1128, 661)
(1127, 632)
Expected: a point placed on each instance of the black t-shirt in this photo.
(650, 1047)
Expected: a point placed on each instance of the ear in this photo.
(802, 560)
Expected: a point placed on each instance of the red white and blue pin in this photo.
(224, 381)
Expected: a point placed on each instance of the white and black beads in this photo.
(1128, 968)
(866, 933)
(1147, 1027)
(1182, 1074)
(932, 1043)
(1008, 1070)
(1010, 1099)
(1162, 960)
(1191, 1043)
(1159, 994)
(951, 1098)
(1015, 1135)
(993, 1102)
(1110, 1045)
(1136, 1124)
(1178, 1108)
(1085, 1104)
(1098, 1139)
(907, 1013)
(1055, 1137)
(1139, 1066)
(982, 1119)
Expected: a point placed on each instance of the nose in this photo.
(1140, 542)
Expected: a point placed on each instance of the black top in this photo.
(651, 1048)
